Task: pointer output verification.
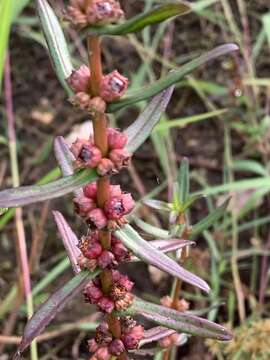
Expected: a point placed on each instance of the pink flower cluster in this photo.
(112, 87)
(118, 298)
(95, 12)
(93, 254)
(113, 212)
(105, 345)
(87, 155)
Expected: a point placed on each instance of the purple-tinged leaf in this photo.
(170, 245)
(155, 334)
(147, 253)
(166, 246)
(158, 205)
(139, 131)
(69, 239)
(49, 309)
(64, 156)
(178, 321)
(25, 195)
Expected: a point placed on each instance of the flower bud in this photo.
(116, 347)
(97, 218)
(102, 353)
(125, 282)
(120, 252)
(114, 208)
(96, 105)
(92, 345)
(105, 259)
(79, 80)
(105, 167)
(115, 190)
(90, 190)
(94, 251)
(81, 100)
(131, 340)
(83, 205)
(120, 158)
(128, 202)
(86, 154)
(92, 293)
(106, 304)
(116, 139)
(166, 301)
(75, 14)
(101, 12)
(113, 86)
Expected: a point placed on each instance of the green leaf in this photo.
(142, 127)
(178, 321)
(137, 23)
(147, 253)
(57, 46)
(191, 201)
(150, 229)
(6, 7)
(172, 78)
(26, 195)
(56, 302)
(183, 181)
(210, 219)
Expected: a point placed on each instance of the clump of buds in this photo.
(112, 214)
(105, 345)
(113, 86)
(95, 255)
(119, 296)
(87, 155)
(181, 305)
(95, 12)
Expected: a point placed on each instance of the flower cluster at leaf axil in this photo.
(112, 87)
(88, 155)
(105, 345)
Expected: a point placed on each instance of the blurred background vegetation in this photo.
(219, 118)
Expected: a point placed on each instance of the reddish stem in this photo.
(103, 184)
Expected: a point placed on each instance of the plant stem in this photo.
(103, 184)
(21, 240)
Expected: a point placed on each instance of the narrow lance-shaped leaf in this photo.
(143, 250)
(150, 229)
(183, 181)
(57, 46)
(209, 220)
(69, 239)
(139, 131)
(170, 245)
(158, 205)
(48, 310)
(178, 321)
(25, 195)
(137, 23)
(172, 78)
